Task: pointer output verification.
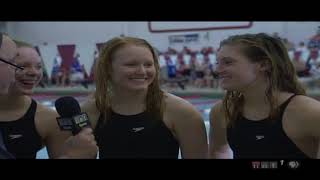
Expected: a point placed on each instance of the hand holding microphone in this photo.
(82, 144)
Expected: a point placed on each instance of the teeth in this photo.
(139, 79)
(28, 82)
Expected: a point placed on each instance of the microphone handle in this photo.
(79, 122)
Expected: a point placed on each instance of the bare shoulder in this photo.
(45, 120)
(89, 107)
(45, 112)
(309, 106)
(216, 109)
(217, 117)
(305, 113)
(47, 126)
(179, 106)
(42, 110)
(179, 113)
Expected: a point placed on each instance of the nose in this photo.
(218, 68)
(141, 69)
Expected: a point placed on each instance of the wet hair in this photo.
(280, 73)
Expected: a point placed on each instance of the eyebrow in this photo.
(19, 67)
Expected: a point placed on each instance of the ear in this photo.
(264, 65)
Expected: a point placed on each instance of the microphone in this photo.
(71, 117)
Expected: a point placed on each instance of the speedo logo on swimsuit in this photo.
(137, 129)
(15, 136)
(258, 137)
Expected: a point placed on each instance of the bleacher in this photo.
(191, 67)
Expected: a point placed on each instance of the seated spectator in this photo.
(299, 64)
(56, 73)
(199, 68)
(208, 78)
(171, 67)
(182, 68)
(77, 71)
(314, 60)
(315, 40)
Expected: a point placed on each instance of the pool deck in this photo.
(189, 91)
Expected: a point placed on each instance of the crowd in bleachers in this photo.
(188, 67)
(306, 60)
(196, 67)
(74, 75)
